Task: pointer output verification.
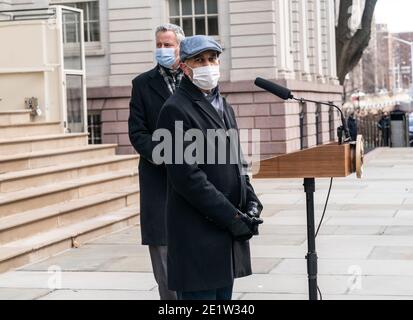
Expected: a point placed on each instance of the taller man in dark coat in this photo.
(207, 227)
(150, 91)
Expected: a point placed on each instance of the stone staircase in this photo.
(56, 191)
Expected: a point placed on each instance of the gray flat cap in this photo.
(192, 46)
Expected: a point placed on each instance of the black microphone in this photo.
(285, 94)
(274, 88)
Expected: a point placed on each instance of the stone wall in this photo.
(278, 120)
(113, 105)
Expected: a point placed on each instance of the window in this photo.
(303, 108)
(195, 16)
(94, 128)
(332, 124)
(91, 22)
(318, 125)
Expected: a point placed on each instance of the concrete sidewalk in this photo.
(365, 246)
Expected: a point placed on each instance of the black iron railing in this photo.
(367, 125)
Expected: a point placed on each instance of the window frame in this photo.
(193, 16)
(302, 117)
(319, 124)
(94, 120)
(92, 48)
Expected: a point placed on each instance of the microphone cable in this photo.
(325, 207)
(319, 292)
(321, 222)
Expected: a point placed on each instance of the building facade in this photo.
(386, 66)
(291, 42)
(384, 48)
(402, 57)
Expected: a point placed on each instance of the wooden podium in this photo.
(326, 161)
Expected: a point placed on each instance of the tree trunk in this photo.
(350, 48)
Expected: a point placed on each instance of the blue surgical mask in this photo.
(166, 57)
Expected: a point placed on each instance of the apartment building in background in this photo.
(386, 66)
(291, 42)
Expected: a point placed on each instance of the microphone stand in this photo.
(309, 182)
(342, 131)
(309, 189)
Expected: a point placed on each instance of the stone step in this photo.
(30, 223)
(19, 180)
(34, 198)
(20, 145)
(13, 117)
(30, 129)
(44, 245)
(33, 160)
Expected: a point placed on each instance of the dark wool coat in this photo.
(201, 202)
(149, 93)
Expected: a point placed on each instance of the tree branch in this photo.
(350, 48)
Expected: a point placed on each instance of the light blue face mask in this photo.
(166, 57)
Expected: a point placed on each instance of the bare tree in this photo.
(350, 46)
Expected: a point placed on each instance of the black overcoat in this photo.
(149, 93)
(202, 200)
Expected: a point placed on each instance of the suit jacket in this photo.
(149, 93)
(202, 201)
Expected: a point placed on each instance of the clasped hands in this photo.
(245, 225)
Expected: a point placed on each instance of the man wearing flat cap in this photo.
(212, 209)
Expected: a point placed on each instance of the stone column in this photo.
(285, 61)
(131, 39)
(299, 39)
(314, 40)
(260, 41)
(252, 40)
(327, 15)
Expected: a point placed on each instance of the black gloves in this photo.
(254, 209)
(239, 229)
(251, 222)
(253, 212)
(243, 227)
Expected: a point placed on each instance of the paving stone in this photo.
(279, 239)
(370, 221)
(280, 198)
(289, 284)
(360, 230)
(94, 257)
(270, 210)
(78, 280)
(399, 231)
(280, 252)
(22, 294)
(406, 214)
(392, 253)
(347, 267)
(128, 264)
(128, 236)
(365, 245)
(293, 229)
(296, 297)
(101, 295)
(362, 213)
(385, 285)
(264, 265)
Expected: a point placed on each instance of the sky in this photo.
(398, 14)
